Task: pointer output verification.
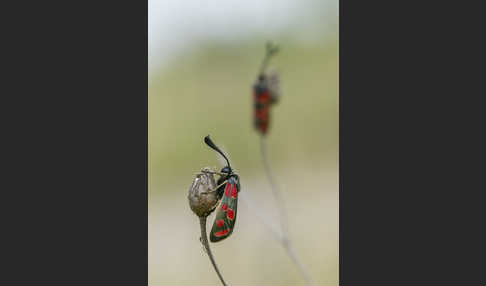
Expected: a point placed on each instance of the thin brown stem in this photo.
(204, 240)
(245, 199)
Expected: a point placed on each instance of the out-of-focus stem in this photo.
(285, 239)
(275, 191)
(271, 50)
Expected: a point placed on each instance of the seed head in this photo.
(202, 196)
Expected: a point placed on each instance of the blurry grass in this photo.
(209, 92)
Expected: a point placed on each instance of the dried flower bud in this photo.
(202, 196)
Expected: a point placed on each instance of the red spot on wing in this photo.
(262, 113)
(234, 192)
(262, 117)
(231, 214)
(221, 233)
(227, 190)
(263, 98)
(219, 222)
(263, 127)
(224, 207)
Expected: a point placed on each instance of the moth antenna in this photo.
(211, 144)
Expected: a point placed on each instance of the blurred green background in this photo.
(206, 88)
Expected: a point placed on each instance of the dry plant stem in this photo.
(250, 203)
(268, 55)
(204, 238)
(285, 239)
(276, 193)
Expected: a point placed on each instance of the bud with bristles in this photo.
(202, 196)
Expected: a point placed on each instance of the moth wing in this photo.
(225, 219)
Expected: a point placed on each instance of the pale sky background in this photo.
(177, 26)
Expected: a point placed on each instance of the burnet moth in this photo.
(228, 187)
(265, 92)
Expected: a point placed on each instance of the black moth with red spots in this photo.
(227, 193)
(265, 92)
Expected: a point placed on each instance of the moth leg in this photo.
(203, 171)
(213, 172)
(215, 189)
